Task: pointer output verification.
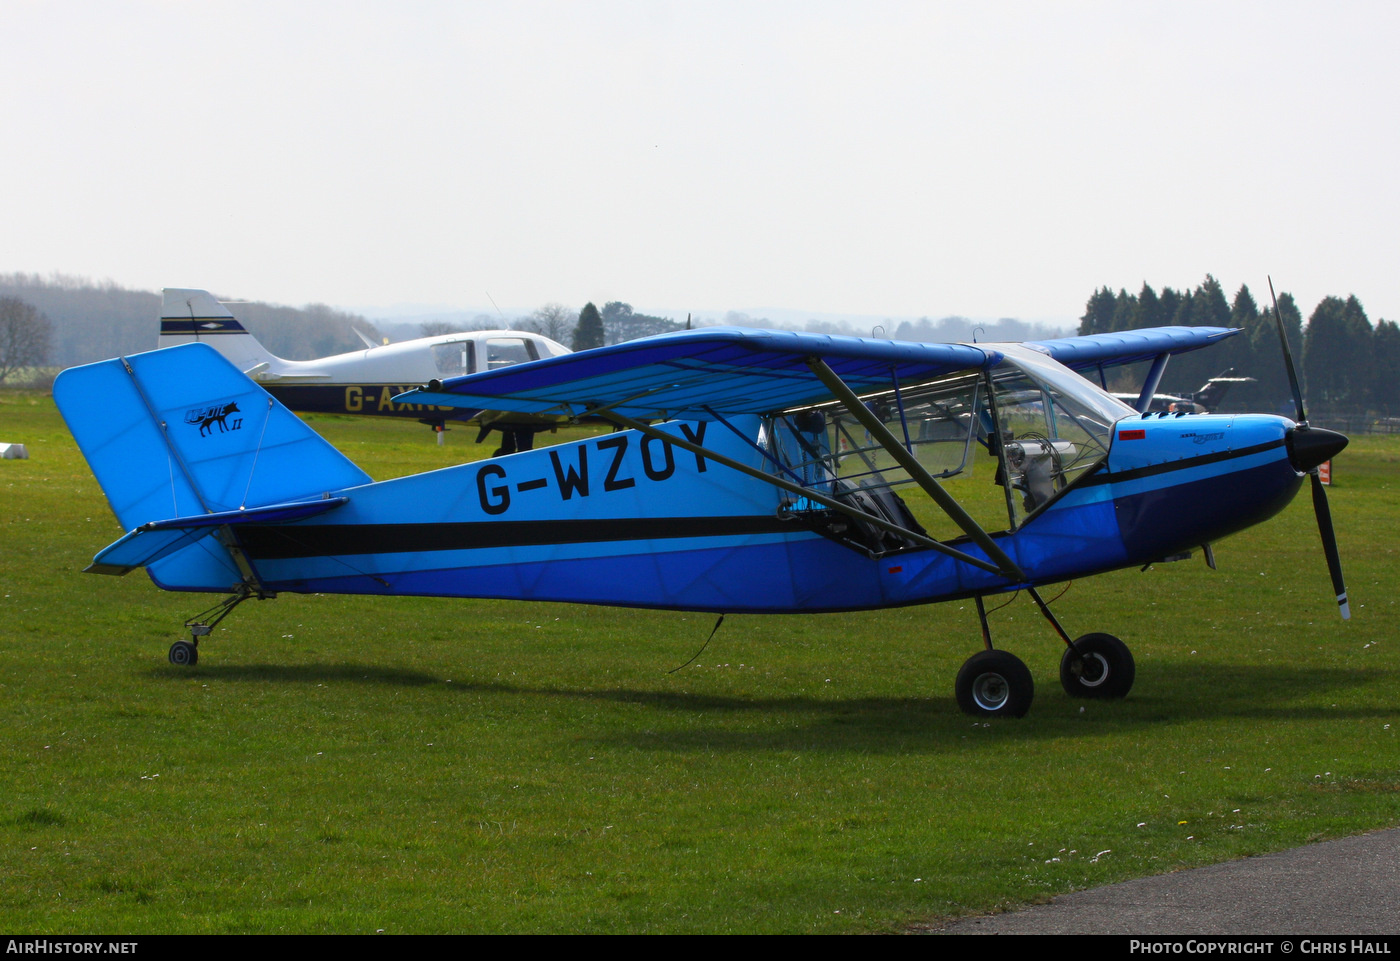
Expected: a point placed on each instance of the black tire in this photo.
(184, 654)
(1098, 666)
(994, 684)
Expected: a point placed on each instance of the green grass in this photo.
(351, 765)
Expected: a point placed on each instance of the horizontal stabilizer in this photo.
(279, 377)
(150, 542)
(124, 556)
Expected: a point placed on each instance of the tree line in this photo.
(90, 321)
(1345, 363)
(63, 321)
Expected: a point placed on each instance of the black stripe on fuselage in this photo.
(277, 542)
(1184, 464)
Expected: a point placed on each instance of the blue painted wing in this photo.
(698, 374)
(1129, 346)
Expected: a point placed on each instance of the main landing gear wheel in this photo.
(994, 684)
(1098, 666)
(184, 654)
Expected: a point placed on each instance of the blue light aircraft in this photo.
(365, 381)
(752, 471)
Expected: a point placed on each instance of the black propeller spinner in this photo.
(1309, 447)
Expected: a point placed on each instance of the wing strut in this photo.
(685, 444)
(1149, 385)
(1004, 564)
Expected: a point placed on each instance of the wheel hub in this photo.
(990, 691)
(1092, 670)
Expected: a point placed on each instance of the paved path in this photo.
(1347, 887)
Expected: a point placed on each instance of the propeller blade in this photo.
(1307, 448)
(1329, 544)
(1302, 417)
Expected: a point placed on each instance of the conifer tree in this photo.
(589, 332)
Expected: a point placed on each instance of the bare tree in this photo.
(554, 321)
(434, 328)
(24, 336)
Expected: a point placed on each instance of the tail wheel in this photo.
(1097, 666)
(994, 684)
(184, 654)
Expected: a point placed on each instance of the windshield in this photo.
(1052, 427)
(1066, 383)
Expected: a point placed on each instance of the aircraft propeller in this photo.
(1308, 448)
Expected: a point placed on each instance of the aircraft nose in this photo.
(1310, 446)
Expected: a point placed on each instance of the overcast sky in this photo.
(990, 159)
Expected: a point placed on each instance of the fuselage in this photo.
(358, 381)
(366, 381)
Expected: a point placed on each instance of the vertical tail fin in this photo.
(193, 316)
(1212, 392)
(181, 433)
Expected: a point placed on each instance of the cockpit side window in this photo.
(934, 422)
(829, 450)
(507, 351)
(454, 359)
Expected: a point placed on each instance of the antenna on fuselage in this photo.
(493, 304)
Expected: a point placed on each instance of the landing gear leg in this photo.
(1095, 665)
(1045, 609)
(186, 653)
(982, 619)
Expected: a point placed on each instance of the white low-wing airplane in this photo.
(365, 381)
(1203, 401)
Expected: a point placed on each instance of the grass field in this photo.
(400, 765)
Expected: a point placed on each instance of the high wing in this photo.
(720, 371)
(703, 374)
(1097, 352)
(1129, 346)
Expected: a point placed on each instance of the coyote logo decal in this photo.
(207, 417)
